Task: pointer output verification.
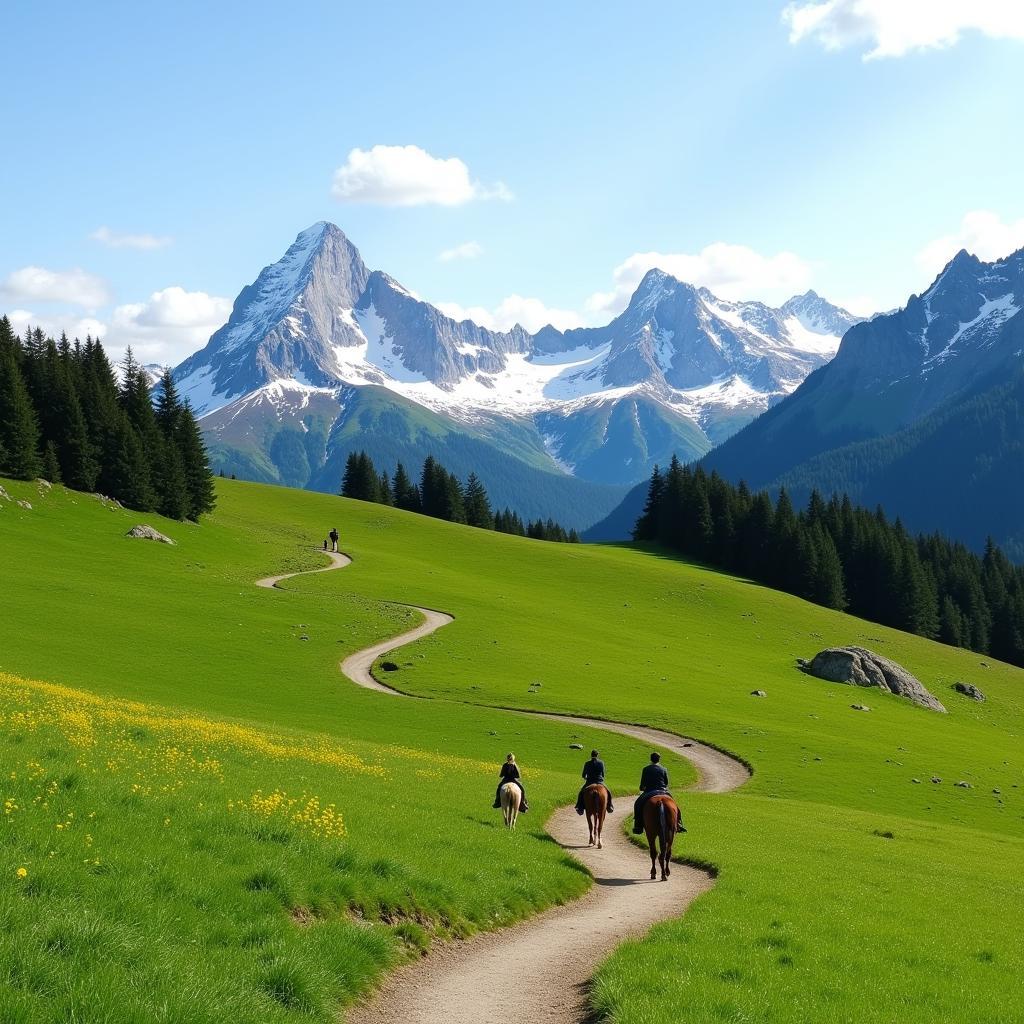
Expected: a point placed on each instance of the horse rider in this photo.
(593, 774)
(653, 782)
(509, 772)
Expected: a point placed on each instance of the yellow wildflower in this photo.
(22, 872)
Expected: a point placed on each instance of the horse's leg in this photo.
(654, 852)
(600, 827)
(668, 858)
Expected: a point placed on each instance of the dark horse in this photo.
(661, 817)
(595, 801)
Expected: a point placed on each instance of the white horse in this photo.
(510, 797)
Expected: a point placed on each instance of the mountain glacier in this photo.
(678, 370)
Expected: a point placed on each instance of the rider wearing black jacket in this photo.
(593, 773)
(653, 782)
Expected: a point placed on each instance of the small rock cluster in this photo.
(969, 690)
(144, 532)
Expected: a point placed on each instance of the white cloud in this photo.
(465, 251)
(52, 326)
(859, 304)
(892, 28)
(37, 284)
(730, 271)
(121, 241)
(982, 233)
(529, 313)
(170, 325)
(408, 176)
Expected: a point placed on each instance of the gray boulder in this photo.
(857, 666)
(969, 690)
(144, 532)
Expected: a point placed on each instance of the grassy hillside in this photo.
(847, 889)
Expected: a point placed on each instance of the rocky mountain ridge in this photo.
(679, 369)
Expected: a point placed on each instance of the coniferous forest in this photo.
(442, 495)
(842, 556)
(65, 416)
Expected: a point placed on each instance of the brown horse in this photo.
(595, 800)
(511, 794)
(661, 817)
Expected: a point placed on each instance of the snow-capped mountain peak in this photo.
(320, 319)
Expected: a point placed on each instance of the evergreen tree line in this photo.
(842, 556)
(66, 417)
(442, 495)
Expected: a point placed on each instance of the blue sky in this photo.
(157, 158)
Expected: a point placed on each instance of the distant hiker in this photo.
(653, 782)
(334, 539)
(325, 543)
(593, 773)
(509, 772)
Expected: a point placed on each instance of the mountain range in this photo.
(322, 356)
(921, 411)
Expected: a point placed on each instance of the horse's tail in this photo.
(663, 826)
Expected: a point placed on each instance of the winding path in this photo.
(538, 971)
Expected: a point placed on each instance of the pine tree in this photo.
(361, 480)
(828, 588)
(64, 423)
(646, 527)
(670, 526)
(51, 464)
(405, 493)
(433, 487)
(783, 563)
(453, 500)
(951, 625)
(169, 482)
(168, 404)
(195, 463)
(126, 470)
(385, 494)
(349, 479)
(477, 504)
(19, 429)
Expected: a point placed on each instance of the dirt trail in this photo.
(537, 972)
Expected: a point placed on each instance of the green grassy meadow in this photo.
(846, 891)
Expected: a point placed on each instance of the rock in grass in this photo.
(857, 666)
(25, 504)
(388, 666)
(969, 690)
(860, 707)
(575, 746)
(963, 784)
(758, 693)
(936, 779)
(4, 495)
(144, 532)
